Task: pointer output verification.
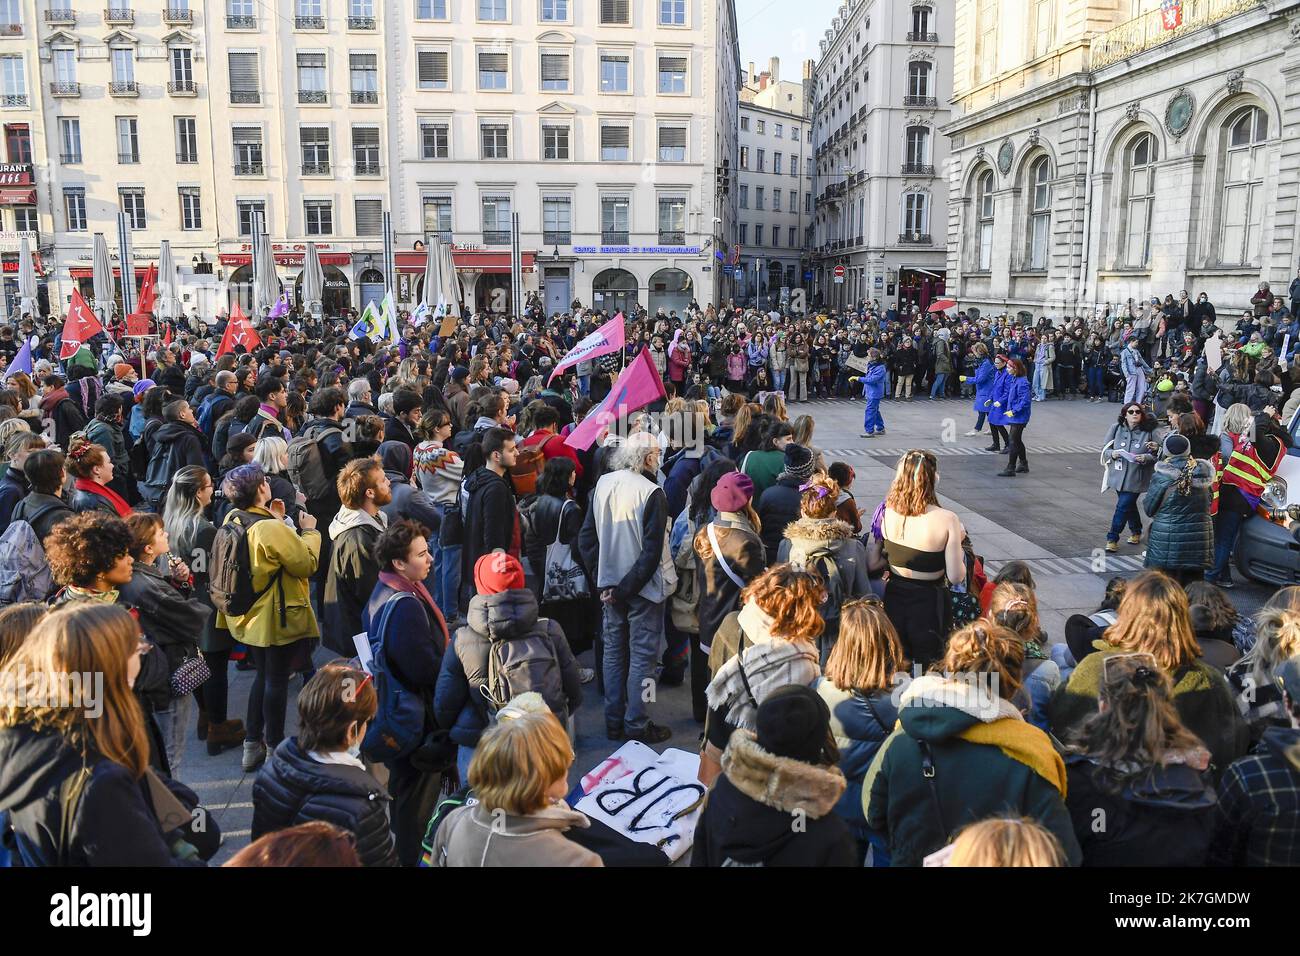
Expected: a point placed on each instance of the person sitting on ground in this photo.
(1015, 607)
(1215, 623)
(1254, 678)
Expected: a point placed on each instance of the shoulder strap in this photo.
(927, 771)
(717, 553)
(559, 524)
(69, 800)
(740, 667)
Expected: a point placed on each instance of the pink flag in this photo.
(637, 387)
(608, 338)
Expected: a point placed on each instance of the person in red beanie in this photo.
(530, 654)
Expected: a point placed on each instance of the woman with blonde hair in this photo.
(1006, 842)
(964, 753)
(1154, 618)
(803, 435)
(857, 685)
(272, 453)
(74, 776)
(820, 542)
(520, 775)
(920, 544)
(766, 645)
(741, 441)
(1134, 765)
(1254, 677)
(1015, 607)
(774, 405)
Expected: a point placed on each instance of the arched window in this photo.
(918, 147)
(1141, 187)
(1241, 215)
(984, 238)
(921, 20)
(1040, 212)
(918, 80)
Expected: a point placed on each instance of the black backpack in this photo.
(139, 453)
(230, 568)
(821, 561)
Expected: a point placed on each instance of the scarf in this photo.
(767, 667)
(116, 500)
(417, 588)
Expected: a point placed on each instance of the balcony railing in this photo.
(186, 159)
(182, 88)
(128, 159)
(309, 23)
(248, 169)
(1149, 30)
(69, 159)
(367, 169)
(61, 15)
(614, 238)
(178, 15)
(923, 102)
(14, 99)
(243, 21)
(914, 37)
(672, 238)
(361, 23)
(11, 29)
(496, 237)
(312, 96)
(316, 169)
(917, 169)
(365, 96)
(914, 238)
(123, 88)
(65, 89)
(119, 15)
(557, 238)
(245, 96)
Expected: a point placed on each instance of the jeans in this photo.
(778, 380)
(269, 695)
(446, 573)
(1040, 382)
(1096, 382)
(173, 723)
(1126, 512)
(634, 630)
(940, 380)
(1227, 525)
(871, 421)
(584, 384)
(1135, 388)
(979, 420)
(463, 756)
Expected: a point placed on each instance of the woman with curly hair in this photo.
(90, 555)
(1254, 677)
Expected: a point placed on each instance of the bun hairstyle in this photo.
(818, 496)
(84, 456)
(1015, 607)
(989, 648)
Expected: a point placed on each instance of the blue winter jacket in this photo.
(984, 377)
(873, 383)
(998, 394)
(1016, 405)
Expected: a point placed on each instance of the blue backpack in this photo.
(398, 726)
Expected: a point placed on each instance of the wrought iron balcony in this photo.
(119, 15)
(614, 238)
(914, 238)
(14, 99)
(245, 96)
(922, 102)
(312, 96)
(128, 159)
(248, 169)
(367, 169)
(178, 15)
(551, 238)
(123, 88)
(365, 96)
(309, 23)
(246, 21)
(316, 169)
(361, 23)
(69, 159)
(672, 238)
(913, 37)
(496, 237)
(1150, 29)
(65, 89)
(182, 88)
(187, 158)
(917, 169)
(61, 15)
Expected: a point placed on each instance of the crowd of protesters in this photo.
(404, 526)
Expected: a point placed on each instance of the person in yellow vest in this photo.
(1240, 476)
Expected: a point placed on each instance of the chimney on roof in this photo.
(753, 77)
(774, 67)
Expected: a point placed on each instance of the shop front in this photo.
(290, 259)
(484, 278)
(9, 261)
(83, 278)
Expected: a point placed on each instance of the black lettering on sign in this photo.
(616, 801)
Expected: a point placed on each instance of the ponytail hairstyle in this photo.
(1015, 607)
(1136, 727)
(989, 648)
(182, 515)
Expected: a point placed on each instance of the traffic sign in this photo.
(839, 272)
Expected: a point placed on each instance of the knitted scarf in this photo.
(117, 501)
(417, 588)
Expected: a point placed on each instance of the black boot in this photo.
(1007, 472)
(1023, 469)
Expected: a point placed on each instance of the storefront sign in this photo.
(16, 174)
(637, 250)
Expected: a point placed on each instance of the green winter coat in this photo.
(1182, 532)
(1021, 774)
(1202, 698)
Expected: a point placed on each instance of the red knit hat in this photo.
(497, 572)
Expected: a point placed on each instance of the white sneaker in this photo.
(586, 675)
(971, 434)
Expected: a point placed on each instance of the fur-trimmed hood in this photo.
(818, 529)
(1172, 468)
(780, 782)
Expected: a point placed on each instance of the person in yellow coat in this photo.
(282, 562)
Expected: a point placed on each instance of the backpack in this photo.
(207, 417)
(161, 469)
(444, 807)
(684, 605)
(523, 664)
(822, 560)
(24, 572)
(397, 728)
(307, 463)
(230, 571)
(139, 453)
(528, 466)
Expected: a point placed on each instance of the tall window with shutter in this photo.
(672, 144)
(435, 140)
(370, 216)
(493, 70)
(432, 66)
(672, 221)
(557, 220)
(437, 217)
(556, 138)
(555, 72)
(615, 144)
(365, 150)
(616, 12)
(364, 77)
(315, 150)
(672, 74)
(244, 86)
(496, 220)
(614, 213)
(495, 140)
(248, 150)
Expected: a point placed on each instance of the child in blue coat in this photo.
(873, 388)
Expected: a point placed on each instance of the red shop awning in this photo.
(493, 262)
(79, 272)
(290, 259)
(17, 197)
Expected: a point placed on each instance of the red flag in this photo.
(637, 387)
(80, 325)
(239, 331)
(167, 336)
(147, 294)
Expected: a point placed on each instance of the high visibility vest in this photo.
(1245, 470)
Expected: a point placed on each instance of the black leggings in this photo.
(269, 695)
(1016, 446)
(999, 432)
(215, 691)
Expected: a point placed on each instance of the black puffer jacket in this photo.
(292, 788)
(777, 507)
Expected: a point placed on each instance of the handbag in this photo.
(564, 579)
(190, 674)
(965, 607)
